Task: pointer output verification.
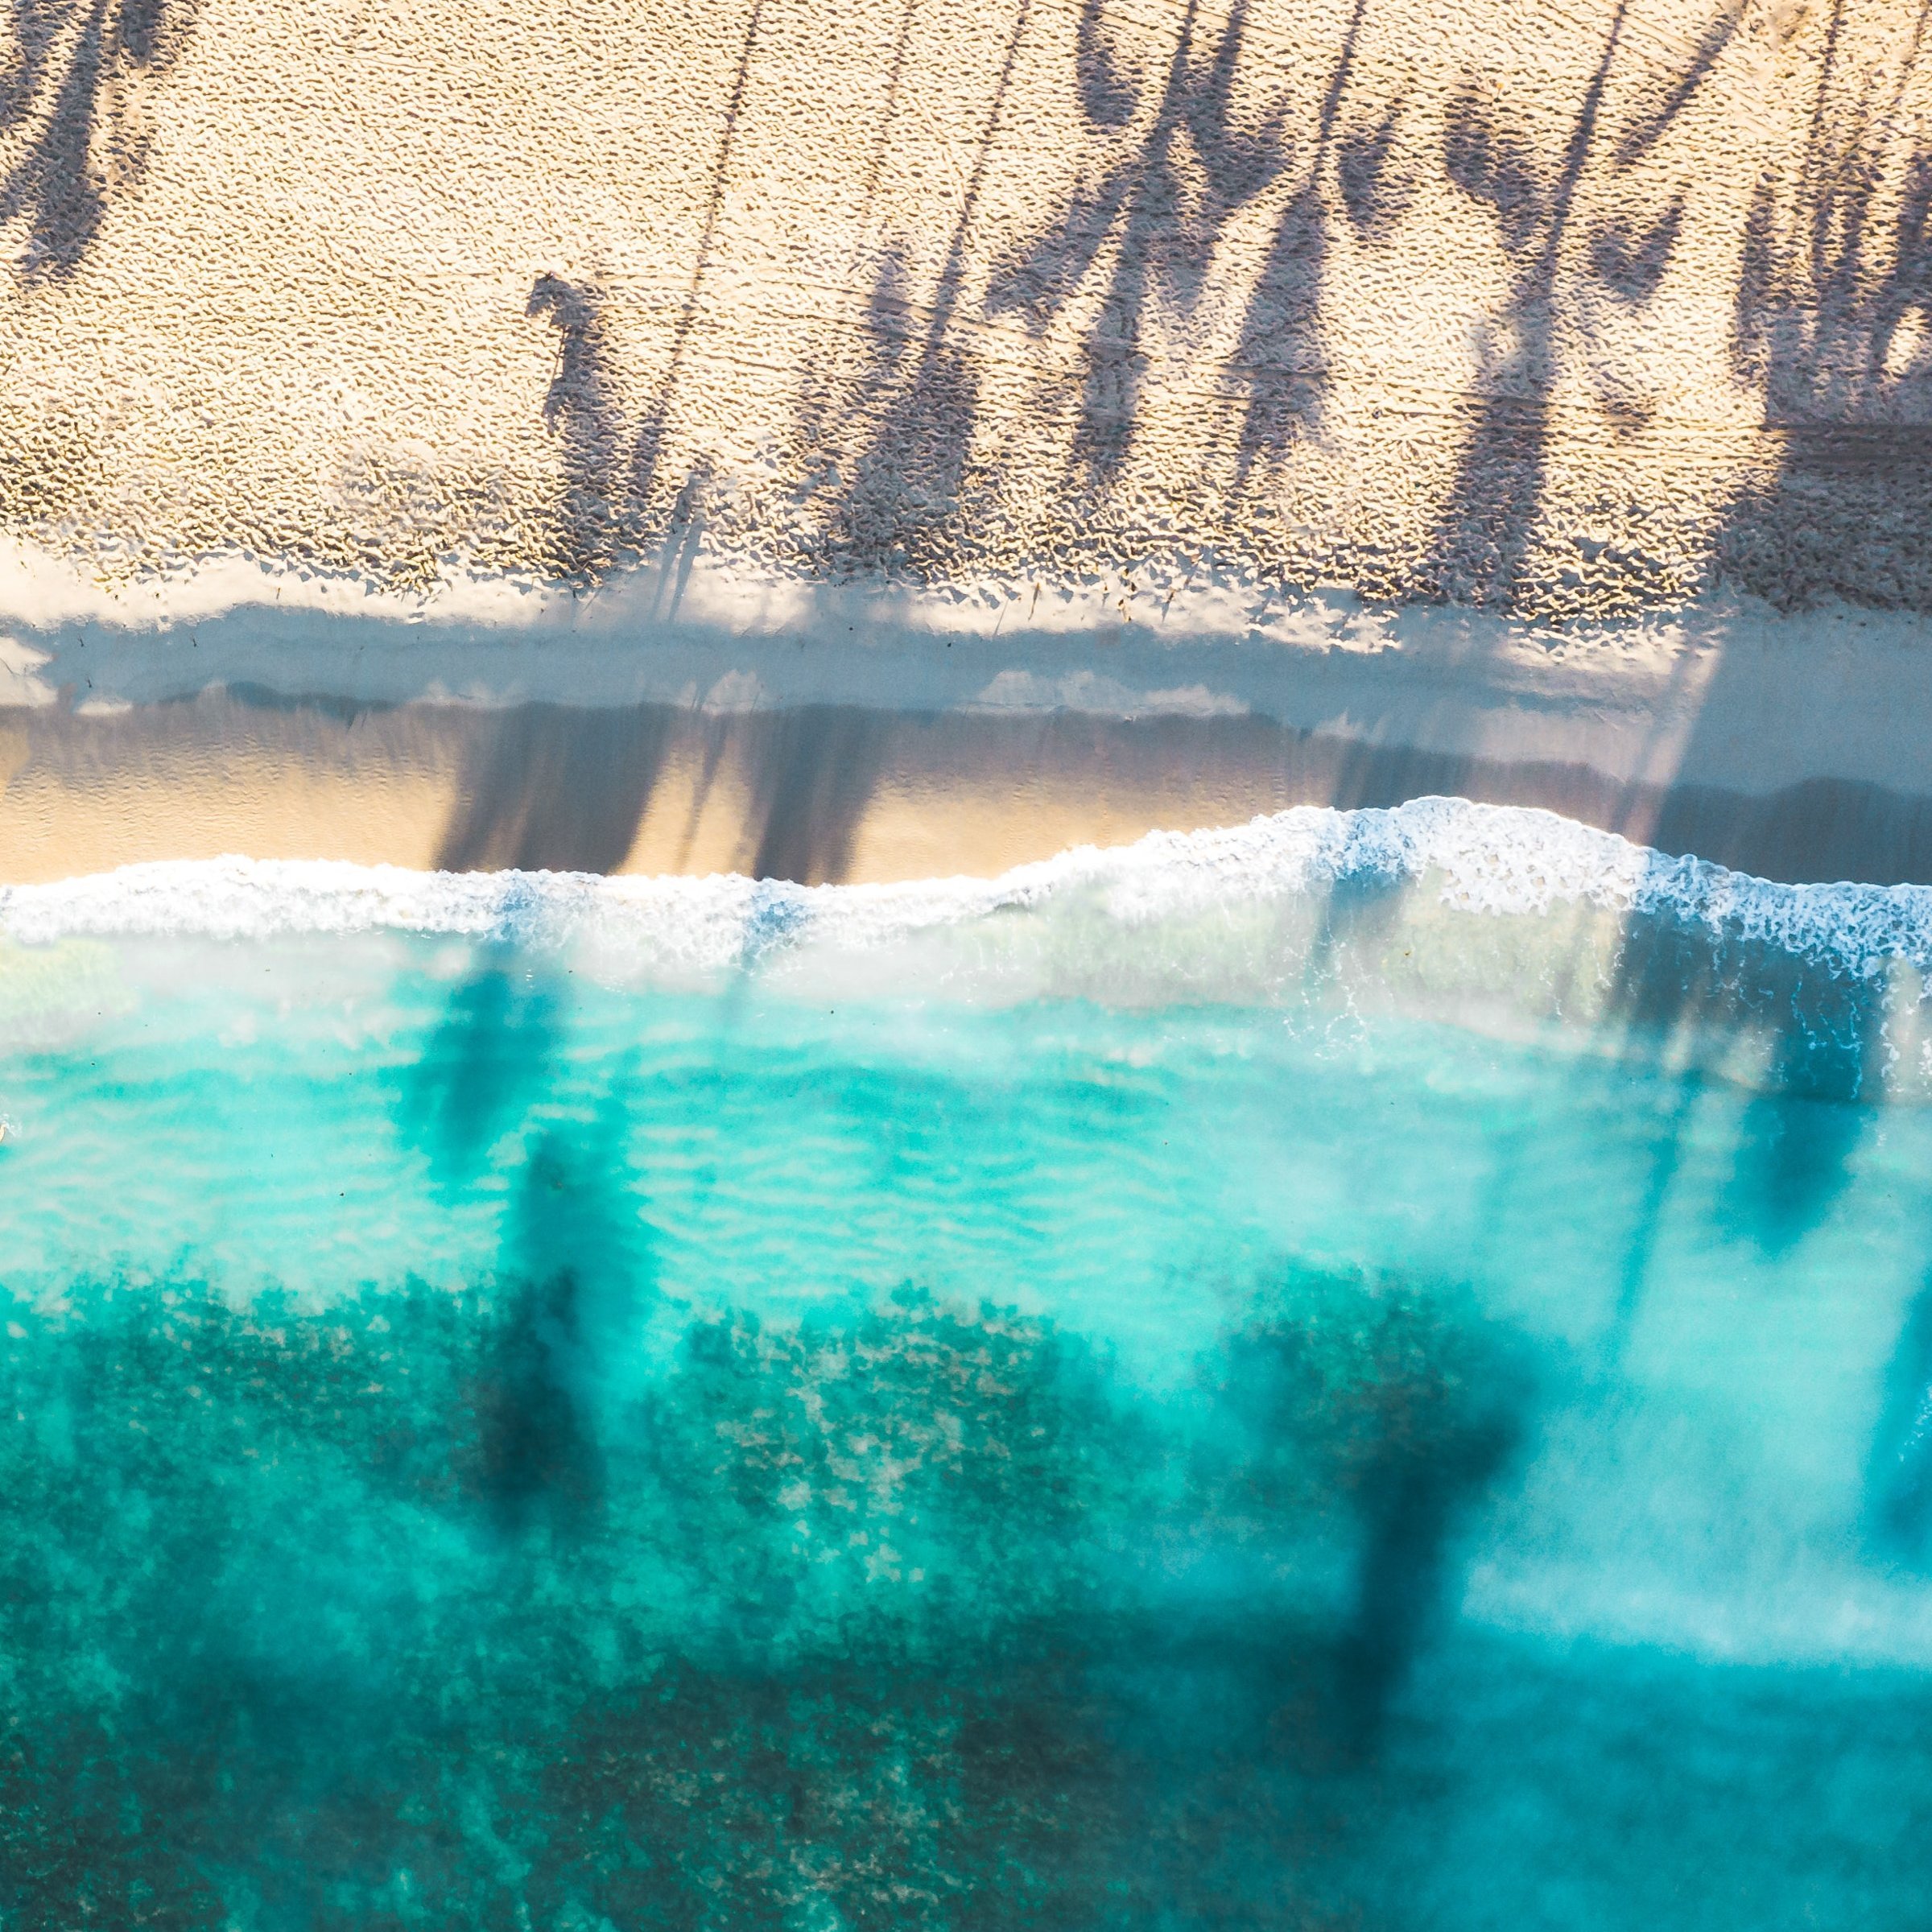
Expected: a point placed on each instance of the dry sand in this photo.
(1554, 308)
(910, 435)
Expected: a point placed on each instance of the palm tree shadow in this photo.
(1898, 1481)
(1832, 317)
(814, 773)
(551, 788)
(1409, 1408)
(1280, 366)
(1798, 1136)
(1167, 234)
(892, 468)
(910, 391)
(83, 70)
(578, 1271)
(1683, 987)
(484, 1065)
(1479, 549)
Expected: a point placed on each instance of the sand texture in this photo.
(911, 436)
(698, 717)
(822, 792)
(1552, 308)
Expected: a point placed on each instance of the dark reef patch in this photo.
(908, 1615)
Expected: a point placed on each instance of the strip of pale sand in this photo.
(716, 721)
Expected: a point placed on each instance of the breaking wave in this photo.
(1470, 857)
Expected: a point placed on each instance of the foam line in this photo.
(1499, 860)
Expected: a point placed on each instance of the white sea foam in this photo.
(1495, 860)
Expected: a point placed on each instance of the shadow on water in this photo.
(1799, 1136)
(1899, 1476)
(536, 1456)
(515, 1608)
(574, 1275)
(1836, 264)
(849, 1614)
(1816, 1042)
(1393, 1409)
(486, 1063)
(576, 1281)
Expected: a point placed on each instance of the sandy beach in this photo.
(814, 794)
(860, 734)
(915, 437)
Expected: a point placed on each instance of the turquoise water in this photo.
(494, 1439)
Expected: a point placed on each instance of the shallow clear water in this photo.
(495, 1440)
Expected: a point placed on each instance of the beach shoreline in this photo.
(692, 718)
(889, 441)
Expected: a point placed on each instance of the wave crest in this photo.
(1489, 859)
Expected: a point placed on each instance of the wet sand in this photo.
(696, 720)
(813, 792)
